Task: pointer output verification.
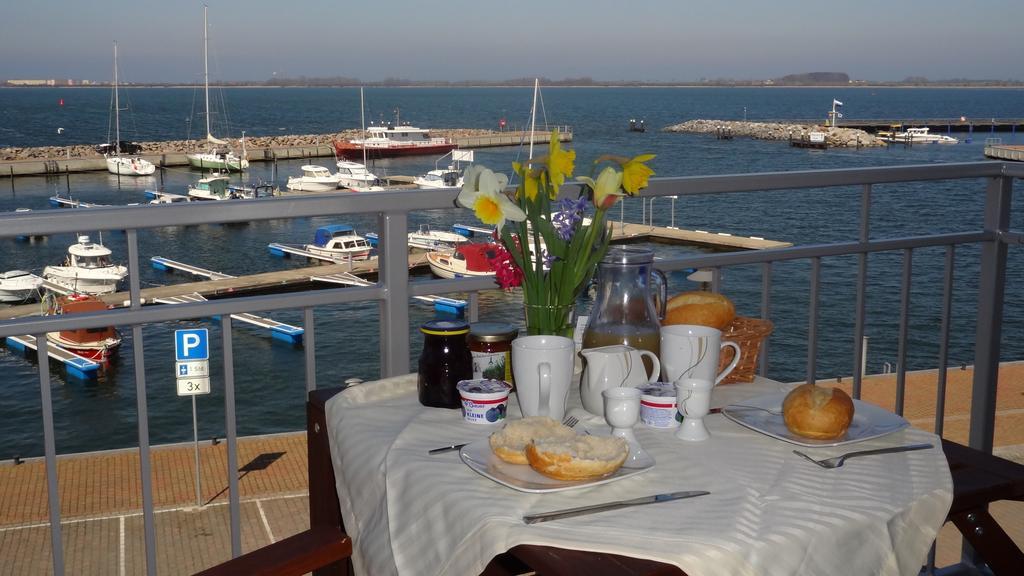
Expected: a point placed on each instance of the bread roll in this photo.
(580, 458)
(816, 412)
(701, 308)
(510, 442)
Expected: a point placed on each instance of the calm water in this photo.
(269, 377)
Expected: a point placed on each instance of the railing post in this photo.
(990, 314)
(393, 262)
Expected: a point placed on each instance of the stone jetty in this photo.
(185, 146)
(836, 137)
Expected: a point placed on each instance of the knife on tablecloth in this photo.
(570, 512)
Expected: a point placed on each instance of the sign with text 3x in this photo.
(192, 366)
(191, 345)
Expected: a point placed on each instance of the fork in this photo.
(570, 421)
(838, 461)
(774, 412)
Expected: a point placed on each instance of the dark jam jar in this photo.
(445, 361)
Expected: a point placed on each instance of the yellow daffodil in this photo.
(529, 181)
(483, 192)
(607, 189)
(560, 162)
(635, 173)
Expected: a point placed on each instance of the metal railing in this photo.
(393, 289)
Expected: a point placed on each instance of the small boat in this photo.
(314, 179)
(356, 176)
(19, 286)
(916, 136)
(339, 242)
(393, 140)
(215, 159)
(427, 239)
(116, 163)
(469, 259)
(637, 125)
(87, 268)
(217, 186)
(450, 177)
(93, 343)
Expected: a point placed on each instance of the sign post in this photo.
(192, 372)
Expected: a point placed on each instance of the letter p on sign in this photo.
(191, 345)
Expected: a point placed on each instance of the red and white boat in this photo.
(466, 260)
(93, 343)
(390, 140)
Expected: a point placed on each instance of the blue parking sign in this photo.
(191, 345)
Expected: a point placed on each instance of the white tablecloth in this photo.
(769, 511)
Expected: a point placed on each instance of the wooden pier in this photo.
(1003, 152)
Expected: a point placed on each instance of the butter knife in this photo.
(570, 512)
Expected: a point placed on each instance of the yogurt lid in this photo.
(483, 386)
(658, 390)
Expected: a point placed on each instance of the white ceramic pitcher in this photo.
(613, 366)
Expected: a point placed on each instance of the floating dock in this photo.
(62, 202)
(1003, 152)
(279, 330)
(76, 366)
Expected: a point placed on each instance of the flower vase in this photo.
(550, 319)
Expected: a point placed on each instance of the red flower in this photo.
(506, 273)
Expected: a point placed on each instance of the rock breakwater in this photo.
(185, 146)
(836, 137)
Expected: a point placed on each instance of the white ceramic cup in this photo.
(689, 351)
(543, 369)
(693, 397)
(613, 366)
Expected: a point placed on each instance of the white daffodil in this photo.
(483, 193)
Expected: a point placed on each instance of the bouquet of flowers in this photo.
(549, 245)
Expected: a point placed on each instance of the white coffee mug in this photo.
(543, 369)
(690, 351)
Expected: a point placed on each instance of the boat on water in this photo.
(449, 177)
(93, 343)
(216, 158)
(916, 136)
(116, 163)
(468, 259)
(218, 186)
(356, 176)
(339, 242)
(19, 286)
(392, 140)
(87, 268)
(427, 239)
(314, 179)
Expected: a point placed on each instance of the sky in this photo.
(653, 40)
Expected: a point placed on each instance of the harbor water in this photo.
(269, 375)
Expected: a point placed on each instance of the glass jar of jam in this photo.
(490, 343)
(444, 361)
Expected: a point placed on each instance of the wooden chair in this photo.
(324, 549)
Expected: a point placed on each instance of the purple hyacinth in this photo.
(570, 213)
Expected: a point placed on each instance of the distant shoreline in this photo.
(1016, 86)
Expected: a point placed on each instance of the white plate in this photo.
(478, 456)
(869, 421)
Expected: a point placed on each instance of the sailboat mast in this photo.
(533, 114)
(206, 74)
(117, 109)
(362, 119)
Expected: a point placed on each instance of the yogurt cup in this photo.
(484, 401)
(658, 405)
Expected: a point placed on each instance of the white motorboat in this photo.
(87, 268)
(116, 163)
(213, 187)
(917, 136)
(450, 177)
(355, 176)
(19, 286)
(339, 242)
(468, 259)
(215, 159)
(427, 239)
(315, 179)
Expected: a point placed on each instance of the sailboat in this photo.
(116, 163)
(215, 159)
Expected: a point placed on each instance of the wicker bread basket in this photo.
(749, 333)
